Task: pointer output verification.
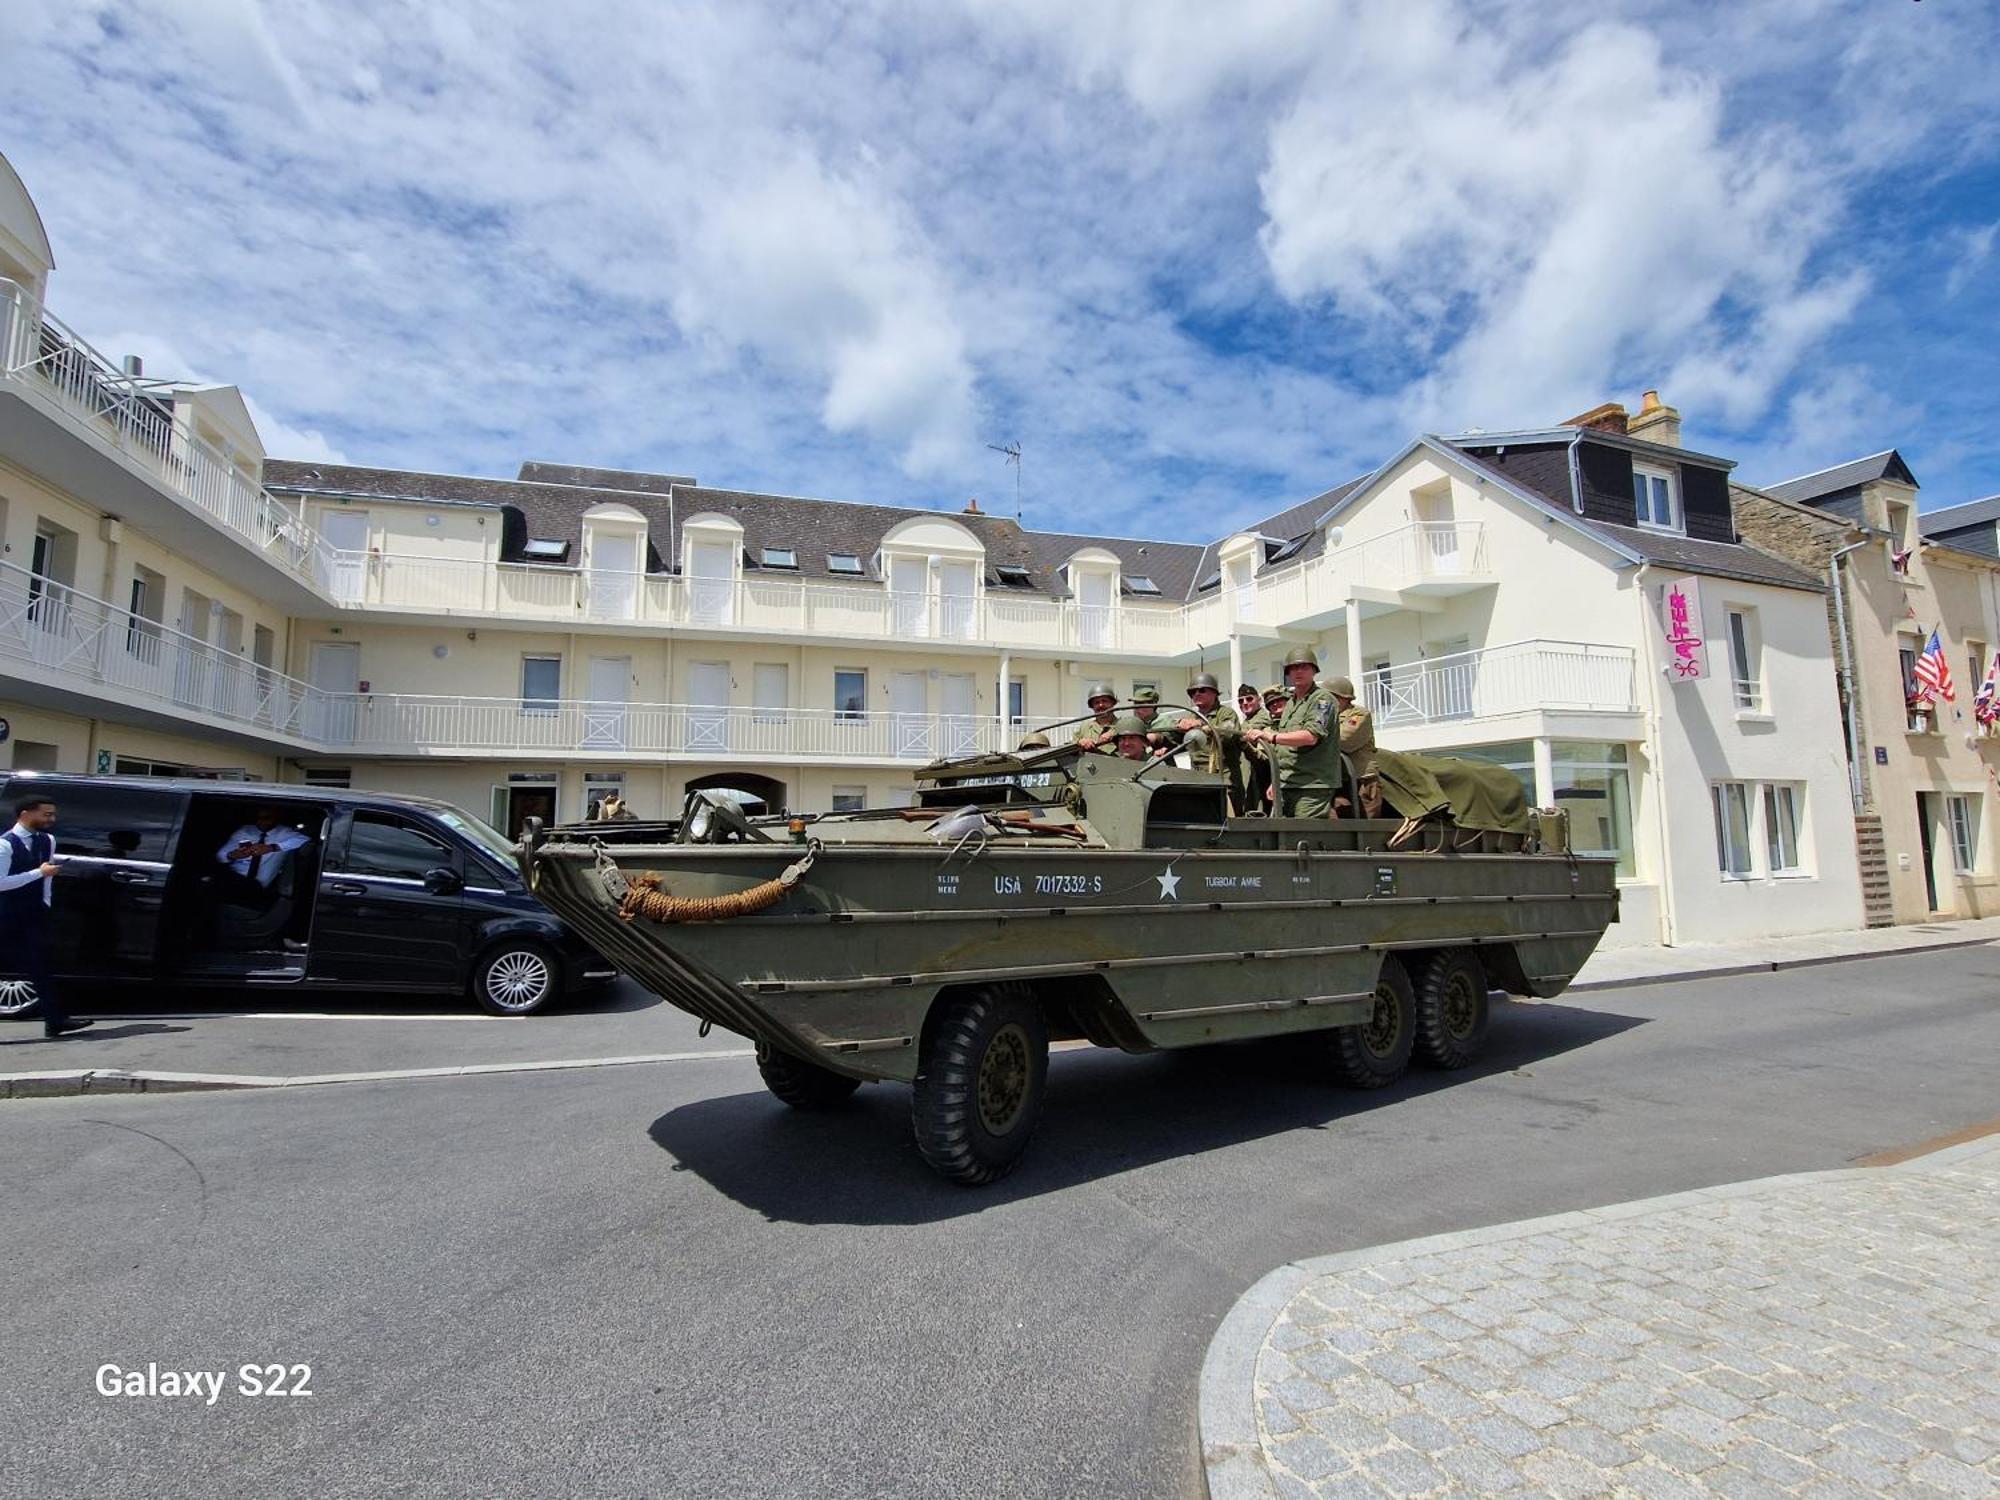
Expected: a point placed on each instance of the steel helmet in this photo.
(1301, 656)
(1204, 680)
(1340, 687)
(1130, 724)
(1100, 690)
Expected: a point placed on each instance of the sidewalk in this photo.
(1826, 1334)
(1654, 964)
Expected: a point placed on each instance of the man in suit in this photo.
(255, 855)
(27, 889)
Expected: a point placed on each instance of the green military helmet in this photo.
(1276, 690)
(1145, 695)
(1204, 680)
(1129, 724)
(1340, 687)
(1035, 741)
(1302, 656)
(1100, 690)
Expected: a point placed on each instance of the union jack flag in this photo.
(1986, 706)
(1933, 673)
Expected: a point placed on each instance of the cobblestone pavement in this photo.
(1828, 1335)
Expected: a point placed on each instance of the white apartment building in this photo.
(171, 599)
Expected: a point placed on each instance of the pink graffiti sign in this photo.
(1680, 612)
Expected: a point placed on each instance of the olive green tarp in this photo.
(1477, 793)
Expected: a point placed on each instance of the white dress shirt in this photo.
(33, 872)
(287, 839)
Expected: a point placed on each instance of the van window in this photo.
(379, 844)
(108, 821)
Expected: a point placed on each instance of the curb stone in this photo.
(1232, 1448)
(1772, 966)
(62, 1083)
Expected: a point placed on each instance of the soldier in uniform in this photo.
(1031, 742)
(1357, 743)
(1134, 740)
(1216, 738)
(1263, 798)
(1097, 734)
(1146, 708)
(1304, 744)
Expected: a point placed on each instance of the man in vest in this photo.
(27, 888)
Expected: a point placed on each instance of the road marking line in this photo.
(120, 1080)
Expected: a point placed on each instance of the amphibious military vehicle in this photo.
(1053, 895)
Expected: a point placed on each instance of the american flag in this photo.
(1933, 673)
(1986, 706)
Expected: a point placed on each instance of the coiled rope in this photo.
(648, 897)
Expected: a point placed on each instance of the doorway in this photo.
(708, 705)
(909, 710)
(344, 554)
(614, 575)
(606, 713)
(1927, 844)
(334, 670)
(517, 802)
(767, 790)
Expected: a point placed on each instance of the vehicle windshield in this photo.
(484, 835)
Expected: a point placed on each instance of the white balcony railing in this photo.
(132, 418)
(85, 642)
(1423, 552)
(392, 723)
(1552, 676)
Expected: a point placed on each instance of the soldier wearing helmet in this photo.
(1133, 739)
(1098, 733)
(1146, 708)
(1214, 734)
(1357, 743)
(1304, 743)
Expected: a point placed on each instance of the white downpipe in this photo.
(1847, 674)
(1669, 917)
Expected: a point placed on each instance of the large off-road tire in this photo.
(801, 1084)
(1451, 1007)
(517, 977)
(1377, 1051)
(18, 997)
(980, 1081)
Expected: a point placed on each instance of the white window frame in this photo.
(846, 715)
(857, 795)
(1746, 659)
(532, 705)
(1961, 813)
(1667, 480)
(1779, 859)
(1720, 793)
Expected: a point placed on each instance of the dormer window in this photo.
(1209, 582)
(1139, 583)
(778, 557)
(1285, 551)
(1654, 499)
(1013, 577)
(844, 562)
(546, 549)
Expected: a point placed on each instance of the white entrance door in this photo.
(708, 706)
(604, 714)
(909, 709)
(614, 575)
(343, 562)
(909, 593)
(191, 658)
(335, 673)
(1438, 550)
(959, 728)
(1242, 587)
(957, 582)
(1093, 608)
(712, 566)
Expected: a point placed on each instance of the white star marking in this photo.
(1170, 885)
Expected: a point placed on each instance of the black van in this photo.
(381, 894)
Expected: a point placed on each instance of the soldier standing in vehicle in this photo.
(1134, 740)
(1257, 755)
(1215, 738)
(1099, 733)
(1357, 743)
(1305, 747)
(1146, 709)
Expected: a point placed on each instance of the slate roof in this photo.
(1966, 513)
(1806, 488)
(602, 479)
(1294, 521)
(1668, 549)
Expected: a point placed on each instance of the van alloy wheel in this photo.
(18, 997)
(516, 980)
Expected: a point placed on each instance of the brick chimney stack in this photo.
(1610, 417)
(1656, 422)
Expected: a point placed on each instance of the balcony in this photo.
(59, 645)
(83, 424)
(992, 619)
(1527, 677)
(392, 724)
(1427, 557)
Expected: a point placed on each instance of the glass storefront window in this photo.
(1593, 783)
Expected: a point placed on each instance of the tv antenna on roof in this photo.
(1013, 452)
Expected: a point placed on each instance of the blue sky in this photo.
(1200, 261)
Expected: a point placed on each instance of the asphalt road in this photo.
(655, 1280)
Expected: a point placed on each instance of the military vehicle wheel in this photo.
(1377, 1051)
(980, 1082)
(1451, 1008)
(801, 1084)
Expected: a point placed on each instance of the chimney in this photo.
(972, 507)
(1610, 417)
(1656, 422)
(133, 366)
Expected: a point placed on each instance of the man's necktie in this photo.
(255, 860)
